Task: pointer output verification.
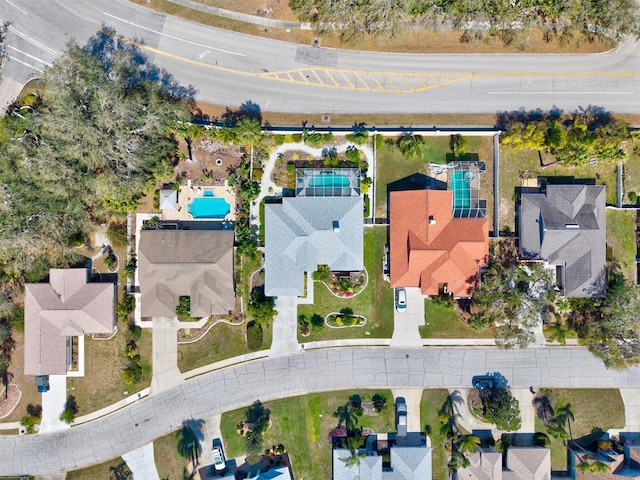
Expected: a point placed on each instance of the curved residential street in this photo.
(310, 371)
(228, 68)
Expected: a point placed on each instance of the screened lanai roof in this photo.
(464, 182)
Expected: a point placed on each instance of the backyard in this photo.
(592, 408)
(302, 424)
(432, 400)
(393, 166)
(621, 240)
(514, 165)
(442, 321)
(375, 302)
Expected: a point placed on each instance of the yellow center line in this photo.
(300, 76)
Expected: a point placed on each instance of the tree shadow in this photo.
(111, 49)
(593, 116)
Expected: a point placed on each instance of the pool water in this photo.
(209, 207)
(460, 184)
(329, 180)
(208, 193)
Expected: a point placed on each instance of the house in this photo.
(193, 263)
(522, 463)
(67, 306)
(565, 226)
(306, 231)
(431, 246)
(620, 459)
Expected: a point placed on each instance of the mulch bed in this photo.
(7, 405)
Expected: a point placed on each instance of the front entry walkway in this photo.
(285, 327)
(406, 324)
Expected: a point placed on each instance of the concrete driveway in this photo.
(166, 373)
(53, 403)
(412, 396)
(285, 327)
(405, 324)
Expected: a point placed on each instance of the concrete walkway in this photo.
(406, 332)
(141, 462)
(285, 327)
(413, 397)
(53, 403)
(165, 355)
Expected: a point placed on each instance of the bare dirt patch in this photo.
(211, 161)
(26, 383)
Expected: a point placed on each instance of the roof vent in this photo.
(572, 226)
(432, 221)
(336, 226)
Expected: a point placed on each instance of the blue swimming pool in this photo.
(209, 207)
(208, 193)
(329, 180)
(461, 186)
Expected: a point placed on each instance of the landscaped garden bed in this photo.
(345, 319)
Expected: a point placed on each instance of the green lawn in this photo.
(97, 472)
(102, 386)
(631, 177)
(443, 322)
(513, 164)
(169, 463)
(621, 237)
(375, 302)
(221, 342)
(432, 400)
(302, 424)
(592, 408)
(391, 165)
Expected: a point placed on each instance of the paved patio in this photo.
(187, 193)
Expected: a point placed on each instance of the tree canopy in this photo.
(86, 147)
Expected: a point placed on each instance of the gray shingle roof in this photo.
(407, 463)
(168, 199)
(300, 234)
(195, 263)
(567, 227)
(67, 306)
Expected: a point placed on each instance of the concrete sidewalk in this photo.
(631, 399)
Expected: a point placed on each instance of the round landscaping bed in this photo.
(342, 320)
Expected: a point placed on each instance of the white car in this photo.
(218, 459)
(401, 300)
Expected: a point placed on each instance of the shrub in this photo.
(183, 309)
(34, 410)
(347, 311)
(360, 134)
(541, 440)
(353, 154)
(322, 274)
(633, 197)
(117, 234)
(136, 332)
(67, 416)
(365, 184)
(317, 322)
(125, 306)
(367, 207)
(29, 423)
(133, 371)
(110, 259)
(130, 267)
(254, 335)
(253, 442)
(379, 402)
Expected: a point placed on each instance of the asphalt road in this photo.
(310, 371)
(229, 68)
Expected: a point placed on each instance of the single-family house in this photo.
(433, 248)
(620, 459)
(565, 226)
(306, 231)
(193, 263)
(522, 463)
(66, 306)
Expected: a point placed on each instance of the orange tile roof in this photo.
(425, 254)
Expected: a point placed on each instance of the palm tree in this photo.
(353, 444)
(449, 409)
(458, 461)
(411, 146)
(248, 131)
(346, 416)
(564, 416)
(186, 475)
(189, 133)
(188, 444)
(468, 443)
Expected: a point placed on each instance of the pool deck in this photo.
(187, 193)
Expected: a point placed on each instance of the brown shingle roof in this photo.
(194, 263)
(430, 247)
(66, 306)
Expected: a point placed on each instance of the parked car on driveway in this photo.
(401, 300)
(401, 416)
(42, 382)
(219, 462)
